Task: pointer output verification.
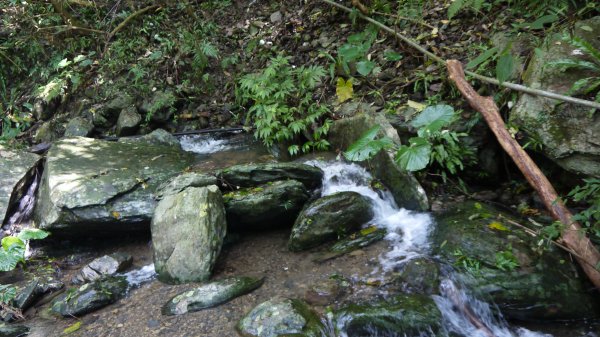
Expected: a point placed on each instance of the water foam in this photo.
(202, 144)
(137, 277)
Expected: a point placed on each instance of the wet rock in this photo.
(34, 290)
(323, 293)
(404, 315)
(187, 234)
(420, 275)
(128, 122)
(103, 266)
(253, 175)
(496, 262)
(569, 133)
(271, 205)
(160, 107)
(156, 137)
(48, 132)
(278, 317)
(354, 241)
(183, 181)
(406, 190)
(79, 127)
(329, 217)
(211, 294)
(90, 297)
(14, 168)
(96, 187)
(120, 102)
(276, 17)
(13, 330)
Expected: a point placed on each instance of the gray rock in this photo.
(121, 102)
(156, 137)
(354, 241)
(276, 17)
(211, 294)
(183, 181)
(160, 107)
(48, 132)
(103, 266)
(252, 175)
(14, 166)
(187, 234)
(34, 290)
(44, 108)
(97, 187)
(78, 127)
(278, 317)
(128, 122)
(538, 287)
(406, 190)
(328, 218)
(569, 133)
(271, 205)
(90, 296)
(323, 293)
(13, 330)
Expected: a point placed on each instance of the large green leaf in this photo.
(365, 67)
(434, 117)
(415, 156)
(565, 64)
(7, 293)
(482, 58)
(9, 241)
(504, 67)
(367, 146)
(9, 258)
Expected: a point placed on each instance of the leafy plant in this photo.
(282, 105)
(470, 264)
(13, 247)
(506, 260)
(588, 84)
(589, 193)
(367, 146)
(354, 52)
(504, 61)
(13, 120)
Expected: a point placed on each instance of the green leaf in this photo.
(565, 64)
(392, 56)
(454, 7)
(344, 89)
(367, 146)
(350, 53)
(72, 328)
(9, 241)
(504, 67)
(7, 293)
(32, 234)
(434, 117)
(63, 63)
(482, 58)
(586, 47)
(414, 157)
(539, 23)
(365, 67)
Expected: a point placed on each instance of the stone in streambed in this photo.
(13, 330)
(270, 205)
(328, 218)
(354, 241)
(103, 266)
(211, 294)
(187, 234)
(278, 317)
(90, 297)
(252, 175)
(34, 290)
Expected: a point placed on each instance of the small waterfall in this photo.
(21, 215)
(202, 144)
(408, 235)
(137, 277)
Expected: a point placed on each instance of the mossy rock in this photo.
(90, 296)
(253, 175)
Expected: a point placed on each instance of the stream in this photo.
(289, 274)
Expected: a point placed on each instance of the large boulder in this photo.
(187, 234)
(569, 134)
(271, 205)
(403, 315)
(406, 190)
(211, 294)
(128, 122)
(329, 217)
(79, 127)
(496, 261)
(280, 317)
(15, 171)
(252, 175)
(94, 187)
(90, 296)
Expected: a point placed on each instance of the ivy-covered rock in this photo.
(103, 266)
(404, 315)
(252, 175)
(270, 205)
(497, 262)
(14, 168)
(211, 294)
(90, 296)
(187, 234)
(329, 217)
(568, 134)
(94, 187)
(279, 317)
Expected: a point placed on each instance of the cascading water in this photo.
(408, 236)
(202, 144)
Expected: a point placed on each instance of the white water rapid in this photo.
(409, 237)
(202, 144)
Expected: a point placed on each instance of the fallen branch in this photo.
(572, 236)
(513, 86)
(70, 27)
(129, 18)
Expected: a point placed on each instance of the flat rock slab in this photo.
(95, 187)
(211, 294)
(90, 296)
(103, 266)
(253, 175)
(14, 166)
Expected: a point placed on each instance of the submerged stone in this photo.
(7, 330)
(211, 294)
(404, 315)
(97, 187)
(354, 241)
(103, 266)
(14, 166)
(252, 175)
(90, 296)
(324, 292)
(496, 261)
(278, 317)
(329, 217)
(34, 290)
(187, 234)
(275, 204)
